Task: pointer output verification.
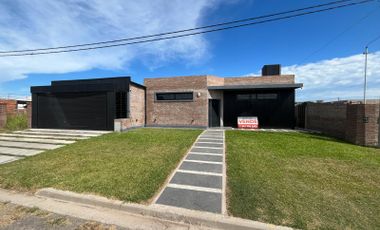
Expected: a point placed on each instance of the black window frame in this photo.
(267, 96)
(174, 96)
(121, 105)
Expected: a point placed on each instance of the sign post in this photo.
(248, 123)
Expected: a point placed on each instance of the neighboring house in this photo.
(10, 107)
(193, 101)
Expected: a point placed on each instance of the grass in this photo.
(128, 166)
(17, 121)
(303, 181)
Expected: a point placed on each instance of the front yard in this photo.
(128, 166)
(303, 180)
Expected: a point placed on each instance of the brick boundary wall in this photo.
(327, 118)
(362, 124)
(9, 108)
(355, 123)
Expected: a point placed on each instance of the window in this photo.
(183, 96)
(245, 97)
(270, 96)
(121, 105)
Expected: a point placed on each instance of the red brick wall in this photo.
(355, 123)
(362, 125)
(10, 104)
(137, 110)
(3, 115)
(282, 79)
(192, 113)
(327, 118)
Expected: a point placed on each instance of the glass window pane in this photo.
(187, 96)
(243, 97)
(269, 96)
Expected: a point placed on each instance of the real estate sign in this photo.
(248, 123)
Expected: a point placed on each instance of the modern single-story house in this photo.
(190, 101)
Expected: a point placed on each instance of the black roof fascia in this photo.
(114, 80)
(73, 88)
(137, 85)
(264, 86)
(119, 83)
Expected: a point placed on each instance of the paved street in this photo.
(198, 183)
(20, 144)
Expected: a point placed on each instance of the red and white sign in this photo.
(248, 123)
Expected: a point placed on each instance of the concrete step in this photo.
(35, 140)
(208, 144)
(26, 145)
(58, 134)
(71, 131)
(19, 152)
(6, 159)
(43, 136)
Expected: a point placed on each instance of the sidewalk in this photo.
(127, 215)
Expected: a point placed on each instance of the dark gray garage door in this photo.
(274, 108)
(72, 111)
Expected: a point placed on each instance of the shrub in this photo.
(17, 122)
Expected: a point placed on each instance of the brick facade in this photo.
(282, 79)
(194, 113)
(355, 123)
(183, 113)
(136, 117)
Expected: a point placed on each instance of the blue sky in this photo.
(335, 71)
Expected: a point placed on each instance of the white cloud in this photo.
(337, 78)
(38, 24)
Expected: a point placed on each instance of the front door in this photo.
(214, 113)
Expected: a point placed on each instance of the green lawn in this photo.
(128, 166)
(303, 180)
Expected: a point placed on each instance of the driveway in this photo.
(20, 144)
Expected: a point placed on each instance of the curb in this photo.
(203, 219)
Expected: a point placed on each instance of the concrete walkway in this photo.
(199, 181)
(20, 144)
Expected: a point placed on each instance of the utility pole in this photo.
(365, 74)
(365, 67)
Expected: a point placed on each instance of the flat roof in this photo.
(261, 86)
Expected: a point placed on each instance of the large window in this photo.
(182, 96)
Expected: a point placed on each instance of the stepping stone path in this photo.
(20, 144)
(199, 181)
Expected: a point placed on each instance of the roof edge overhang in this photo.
(262, 86)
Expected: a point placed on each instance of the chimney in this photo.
(269, 70)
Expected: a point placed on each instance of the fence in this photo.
(355, 123)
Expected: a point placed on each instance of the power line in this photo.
(13, 53)
(373, 40)
(181, 31)
(339, 35)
